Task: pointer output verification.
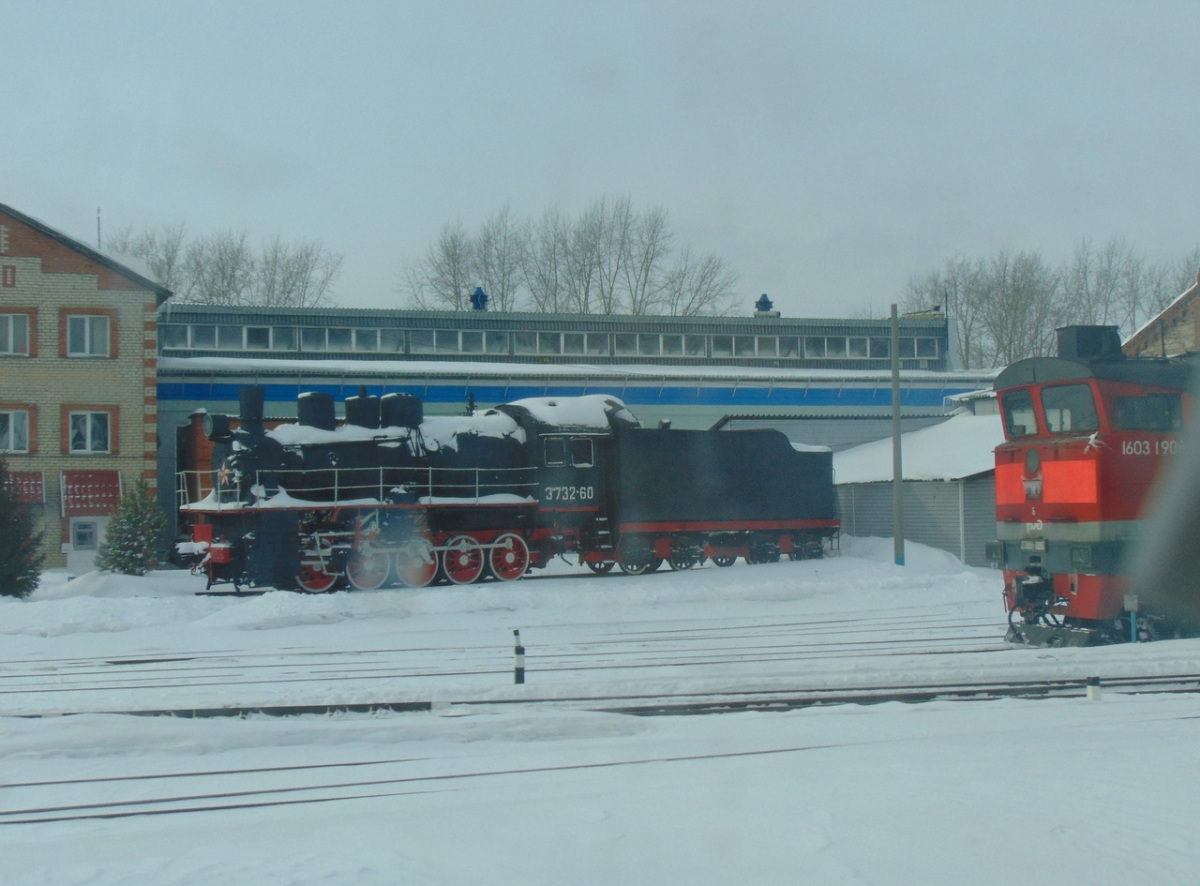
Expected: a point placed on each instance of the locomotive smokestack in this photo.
(251, 399)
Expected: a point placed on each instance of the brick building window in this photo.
(87, 335)
(90, 432)
(14, 430)
(14, 335)
(87, 332)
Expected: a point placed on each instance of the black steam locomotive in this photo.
(393, 495)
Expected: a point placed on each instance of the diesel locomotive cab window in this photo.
(1069, 409)
(1153, 412)
(1019, 420)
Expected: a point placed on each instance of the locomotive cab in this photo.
(1085, 435)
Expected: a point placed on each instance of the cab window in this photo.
(582, 455)
(556, 451)
(1019, 420)
(1152, 412)
(1070, 409)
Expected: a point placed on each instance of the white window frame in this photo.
(8, 326)
(85, 535)
(90, 428)
(8, 434)
(91, 326)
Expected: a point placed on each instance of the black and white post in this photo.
(518, 658)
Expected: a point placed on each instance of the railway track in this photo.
(224, 790)
(216, 799)
(699, 651)
(723, 701)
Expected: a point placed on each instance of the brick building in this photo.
(78, 403)
(1174, 332)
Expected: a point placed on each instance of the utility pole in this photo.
(897, 466)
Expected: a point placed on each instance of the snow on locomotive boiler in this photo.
(392, 495)
(1086, 434)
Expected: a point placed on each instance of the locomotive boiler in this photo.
(390, 495)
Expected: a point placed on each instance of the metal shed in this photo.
(949, 486)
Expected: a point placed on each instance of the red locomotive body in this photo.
(1086, 435)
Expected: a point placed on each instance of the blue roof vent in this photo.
(764, 307)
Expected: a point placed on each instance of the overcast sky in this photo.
(827, 151)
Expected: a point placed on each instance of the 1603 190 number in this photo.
(1149, 447)
(570, 493)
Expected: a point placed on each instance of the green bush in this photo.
(20, 554)
(131, 543)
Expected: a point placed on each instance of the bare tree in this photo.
(649, 246)
(443, 278)
(163, 250)
(546, 262)
(224, 269)
(1104, 286)
(1022, 307)
(498, 254)
(960, 289)
(610, 259)
(296, 275)
(1186, 273)
(583, 265)
(701, 285)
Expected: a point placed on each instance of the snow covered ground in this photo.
(537, 784)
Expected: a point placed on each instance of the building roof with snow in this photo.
(960, 447)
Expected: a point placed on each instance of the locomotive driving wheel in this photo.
(368, 568)
(724, 560)
(601, 567)
(313, 579)
(463, 560)
(316, 574)
(509, 558)
(416, 562)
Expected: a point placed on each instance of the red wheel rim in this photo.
(510, 557)
(462, 560)
(367, 570)
(416, 563)
(314, 580)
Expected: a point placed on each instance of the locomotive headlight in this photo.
(216, 428)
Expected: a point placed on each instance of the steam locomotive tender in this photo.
(393, 496)
(1086, 434)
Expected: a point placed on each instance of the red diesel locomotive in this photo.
(1086, 434)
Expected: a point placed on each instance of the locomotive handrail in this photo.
(195, 489)
(378, 485)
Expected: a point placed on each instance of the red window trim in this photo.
(31, 313)
(32, 409)
(114, 423)
(111, 313)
